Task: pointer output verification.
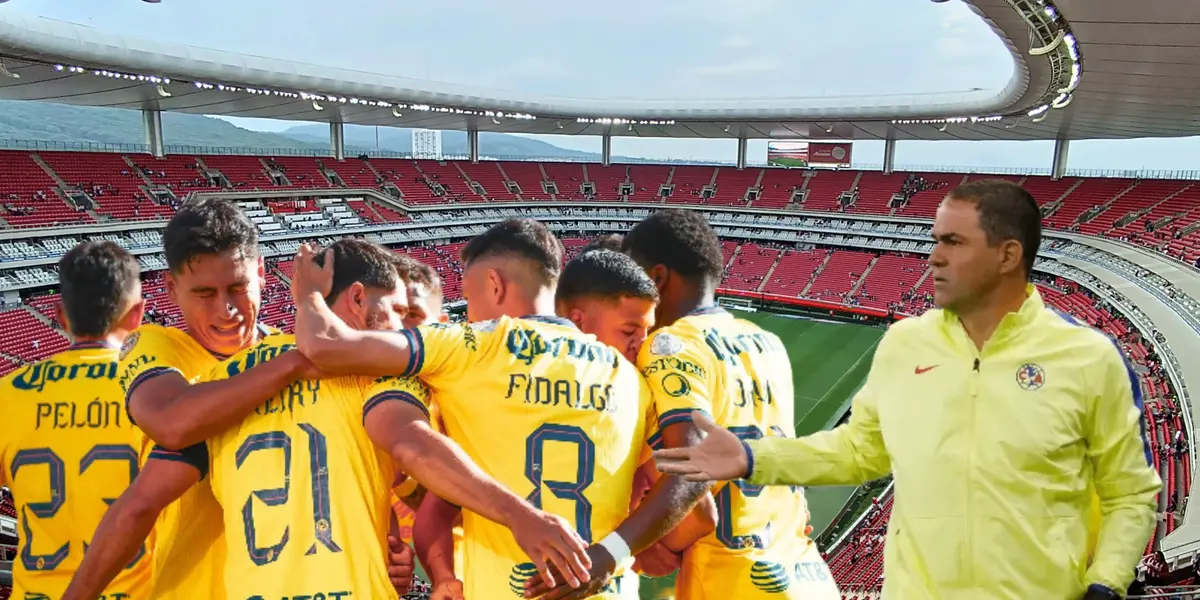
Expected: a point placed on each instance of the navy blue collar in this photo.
(96, 345)
(707, 310)
(552, 319)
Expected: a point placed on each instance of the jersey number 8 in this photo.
(317, 462)
(57, 477)
(585, 450)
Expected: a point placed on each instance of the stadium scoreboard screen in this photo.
(804, 154)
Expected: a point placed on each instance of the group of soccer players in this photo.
(230, 460)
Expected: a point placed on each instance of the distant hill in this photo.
(397, 139)
(47, 122)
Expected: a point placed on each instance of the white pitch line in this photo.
(835, 384)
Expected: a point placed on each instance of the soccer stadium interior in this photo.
(1121, 253)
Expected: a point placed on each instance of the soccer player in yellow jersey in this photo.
(215, 278)
(304, 493)
(564, 418)
(65, 447)
(703, 360)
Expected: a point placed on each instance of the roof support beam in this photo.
(606, 149)
(1058, 169)
(473, 144)
(741, 157)
(152, 119)
(889, 154)
(337, 140)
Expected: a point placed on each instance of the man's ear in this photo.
(1012, 256)
(172, 285)
(659, 274)
(497, 286)
(356, 299)
(60, 315)
(575, 315)
(132, 319)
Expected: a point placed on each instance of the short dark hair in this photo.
(96, 279)
(682, 241)
(518, 238)
(415, 271)
(1007, 211)
(604, 274)
(611, 241)
(357, 260)
(206, 227)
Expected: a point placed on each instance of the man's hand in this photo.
(657, 561)
(307, 276)
(450, 589)
(602, 568)
(720, 457)
(549, 540)
(401, 561)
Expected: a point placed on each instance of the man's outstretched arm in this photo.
(127, 524)
(433, 536)
(176, 414)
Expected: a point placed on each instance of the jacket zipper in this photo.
(970, 524)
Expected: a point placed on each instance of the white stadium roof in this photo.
(1118, 69)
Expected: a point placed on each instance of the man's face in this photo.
(219, 296)
(965, 267)
(620, 323)
(424, 306)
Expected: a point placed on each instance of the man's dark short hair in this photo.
(606, 275)
(415, 271)
(207, 227)
(611, 241)
(682, 241)
(357, 260)
(524, 239)
(96, 279)
(1007, 211)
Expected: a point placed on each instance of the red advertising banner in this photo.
(829, 154)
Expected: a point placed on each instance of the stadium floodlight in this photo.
(1072, 46)
(396, 112)
(5, 72)
(1039, 110)
(1061, 101)
(162, 91)
(317, 106)
(1076, 77)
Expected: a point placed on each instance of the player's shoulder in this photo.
(150, 338)
(1075, 336)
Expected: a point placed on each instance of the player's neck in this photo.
(540, 305)
(111, 340)
(684, 302)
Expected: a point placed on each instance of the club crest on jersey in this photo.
(485, 326)
(665, 344)
(128, 344)
(1031, 377)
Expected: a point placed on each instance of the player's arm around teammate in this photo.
(403, 429)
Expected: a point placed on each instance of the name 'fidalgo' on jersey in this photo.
(551, 413)
(740, 375)
(66, 452)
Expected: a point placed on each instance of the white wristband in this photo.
(617, 547)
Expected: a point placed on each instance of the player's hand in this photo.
(549, 540)
(401, 561)
(450, 589)
(308, 277)
(600, 573)
(657, 561)
(720, 457)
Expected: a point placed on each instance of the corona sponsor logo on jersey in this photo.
(528, 344)
(35, 377)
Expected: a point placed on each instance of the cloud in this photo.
(735, 42)
(754, 65)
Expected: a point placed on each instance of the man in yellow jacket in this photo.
(1000, 419)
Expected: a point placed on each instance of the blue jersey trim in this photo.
(195, 455)
(1134, 387)
(749, 460)
(416, 351)
(377, 399)
(146, 375)
(552, 319)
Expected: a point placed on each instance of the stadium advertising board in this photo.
(787, 154)
(829, 154)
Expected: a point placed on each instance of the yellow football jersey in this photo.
(740, 375)
(548, 411)
(305, 494)
(187, 539)
(66, 454)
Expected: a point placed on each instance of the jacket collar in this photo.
(1012, 323)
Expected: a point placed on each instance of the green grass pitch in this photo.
(829, 363)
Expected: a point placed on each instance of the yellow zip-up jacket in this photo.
(997, 455)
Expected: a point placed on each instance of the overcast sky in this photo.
(685, 49)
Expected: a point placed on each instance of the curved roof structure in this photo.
(1143, 80)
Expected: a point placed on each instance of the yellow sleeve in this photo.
(851, 454)
(678, 380)
(146, 354)
(442, 352)
(402, 389)
(1123, 471)
(406, 487)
